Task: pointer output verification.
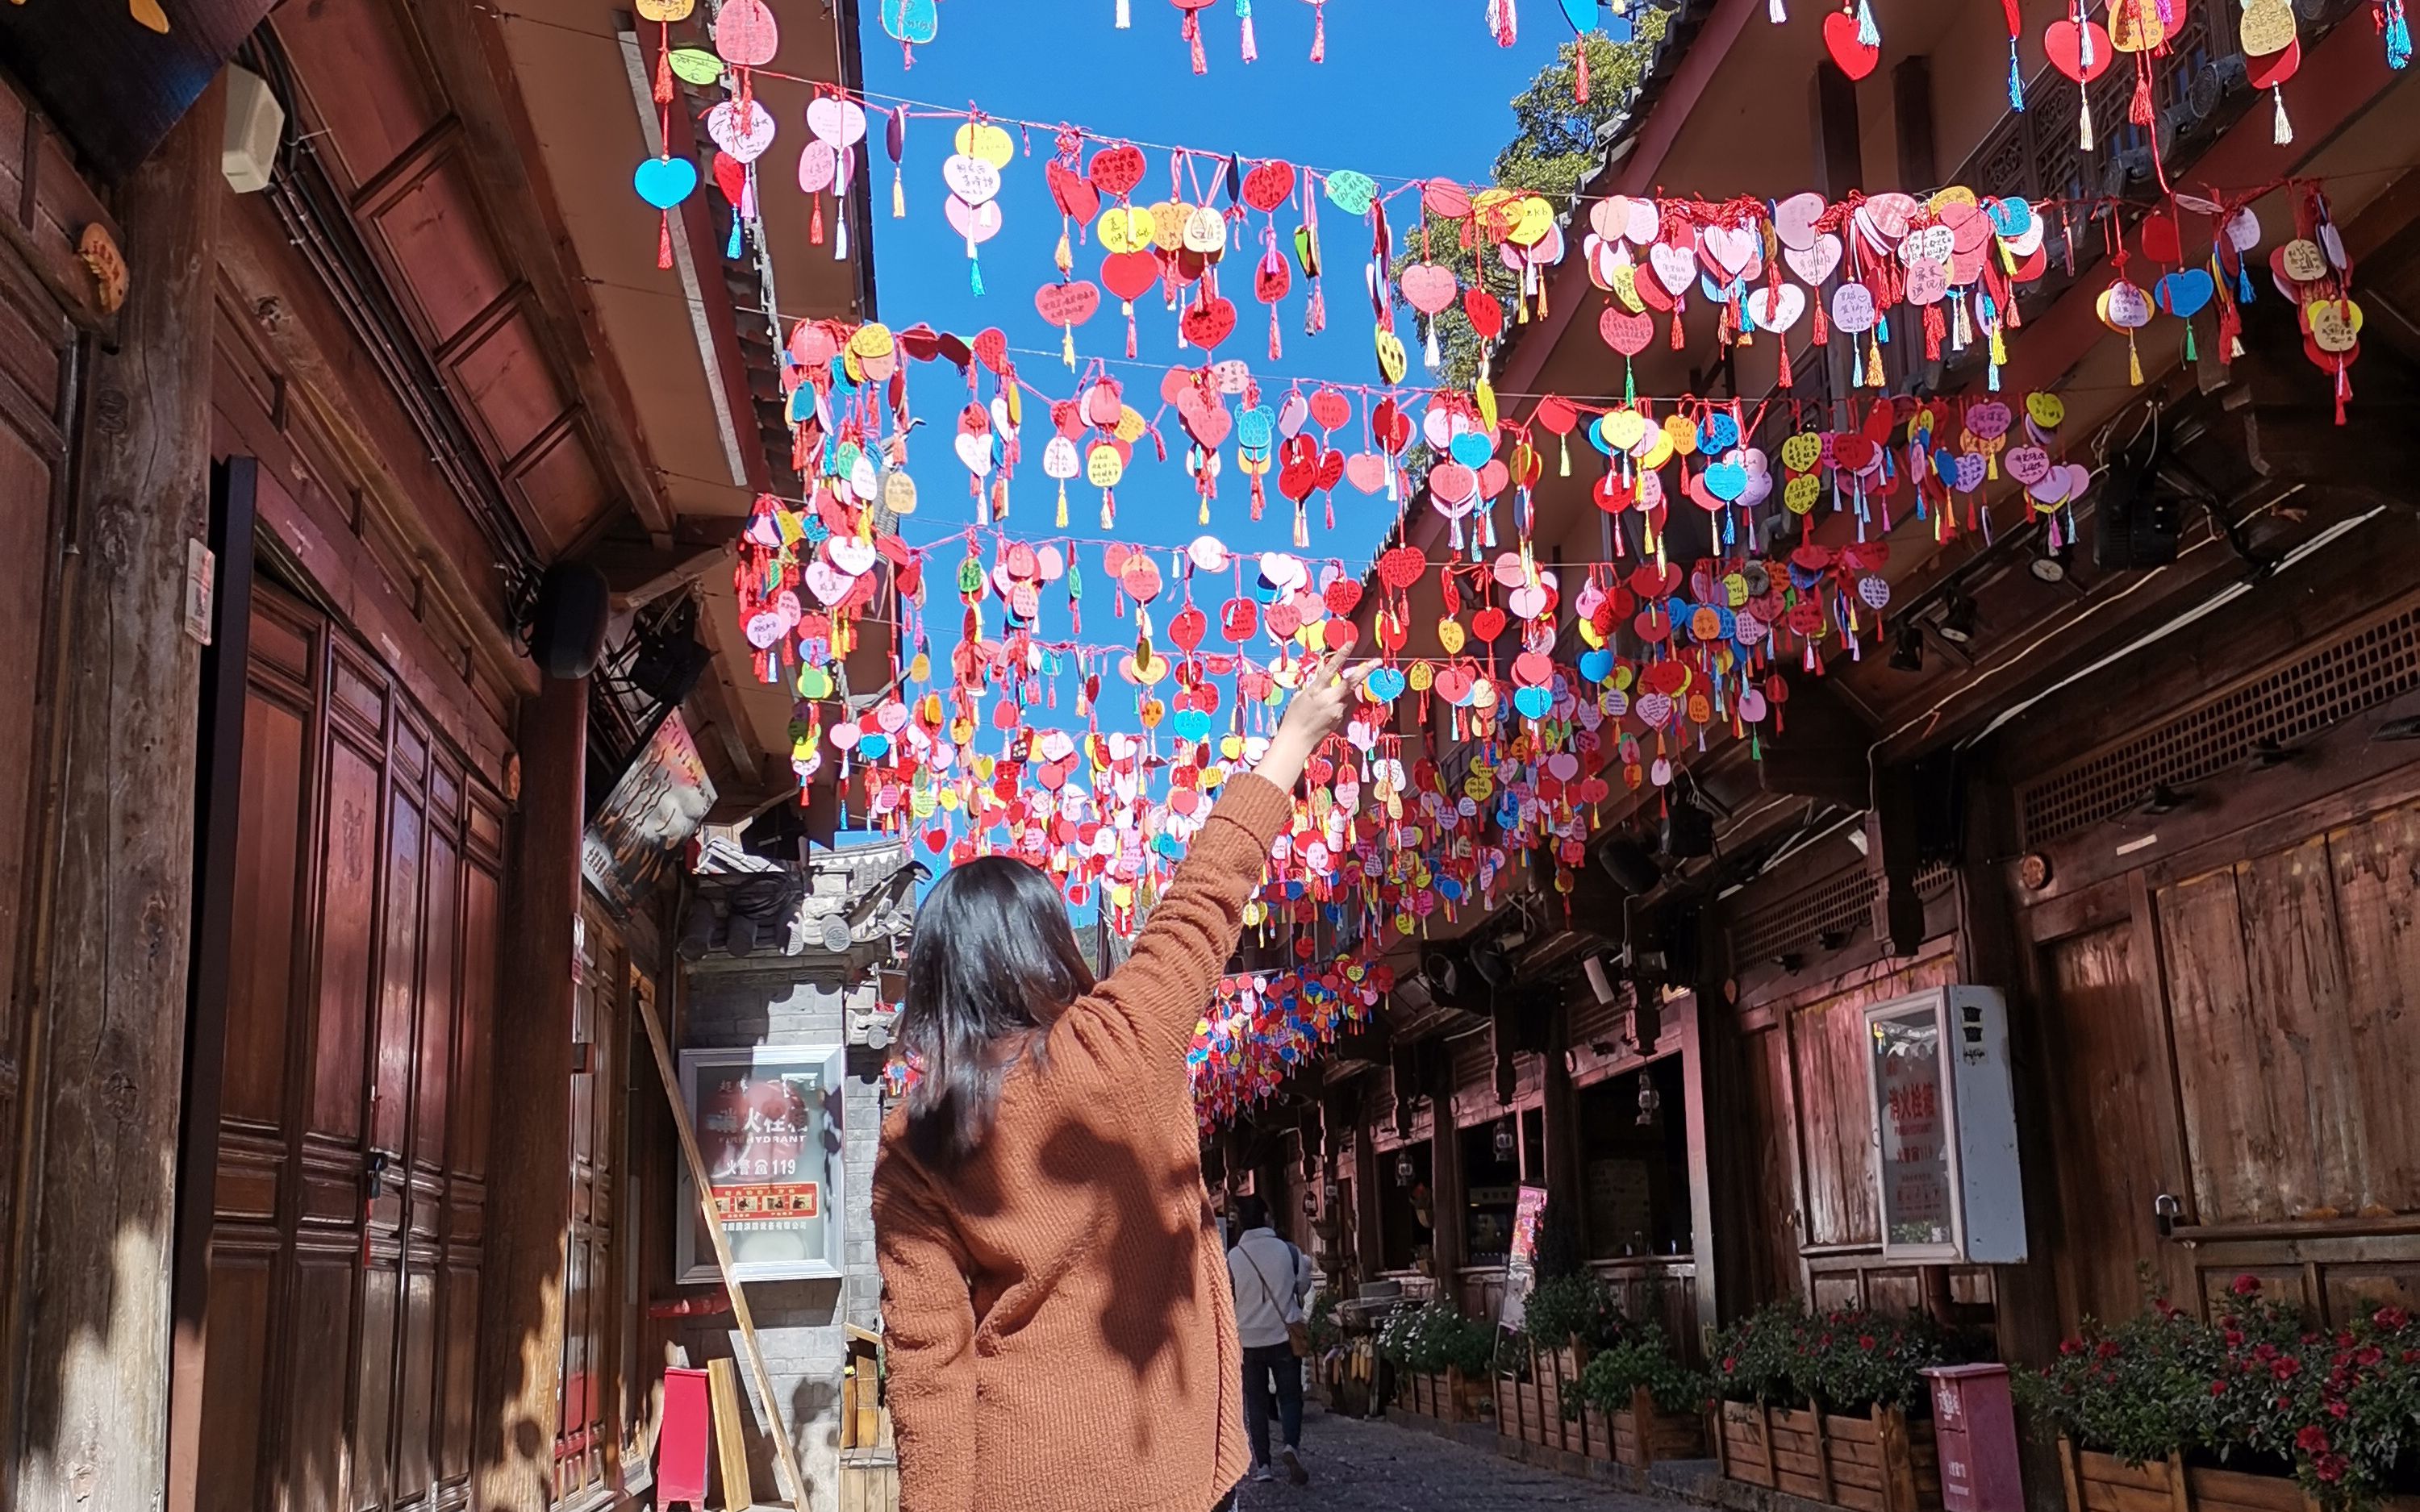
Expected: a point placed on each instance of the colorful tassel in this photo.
(1252, 43)
(1868, 35)
(2284, 131)
(2016, 80)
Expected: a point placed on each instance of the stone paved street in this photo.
(1377, 1467)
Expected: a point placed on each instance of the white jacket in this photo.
(1270, 1277)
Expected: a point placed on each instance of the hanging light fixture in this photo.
(1651, 1104)
(1310, 1203)
(1403, 1167)
(1505, 1139)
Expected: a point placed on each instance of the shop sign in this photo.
(1521, 1268)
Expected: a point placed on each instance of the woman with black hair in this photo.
(1057, 1312)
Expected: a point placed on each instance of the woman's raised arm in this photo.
(1160, 993)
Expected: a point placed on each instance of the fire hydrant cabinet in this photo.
(1975, 1428)
(1943, 1128)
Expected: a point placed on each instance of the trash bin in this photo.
(1975, 1428)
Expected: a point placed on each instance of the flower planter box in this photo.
(1447, 1396)
(1642, 1434)
(2097, 1482)
(1877, 1463)
(1531, 1410)
(1473, 1399)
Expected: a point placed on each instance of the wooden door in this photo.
(2290, 978)
(344, 1283)
(588, 1451)
(40, 359)
(2112, 1121)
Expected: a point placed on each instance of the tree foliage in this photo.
(1558, 146)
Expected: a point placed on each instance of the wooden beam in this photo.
(640, 573)
(1839, 164)
(220, 784)
(1714, 1264)
(1820, 749)
(1912, 111)
(107, 1031)
(1891, 859)
(529, 1152)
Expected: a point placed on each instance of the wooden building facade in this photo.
(2167, 811)
(335, 1168)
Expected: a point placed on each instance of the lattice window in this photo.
(2290, 702)
(1798, 920)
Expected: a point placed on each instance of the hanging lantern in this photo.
(1505, 1140)
(1403, 1167)
(1649, 1103)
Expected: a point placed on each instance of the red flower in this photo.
(2390, 1319)
(2368, 1356)
(2339, 1411)
(2247, 1284)
(2218, 1388)
(1866, 1342)
(2072, 1347)
(2328, 1468)
(2313, 1440)
(1730, 1362)
(2285, 1367)
(2108, 1349)
(2235, 1339)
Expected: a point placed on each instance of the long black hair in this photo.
(992, 963)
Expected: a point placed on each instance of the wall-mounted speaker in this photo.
(567, 627)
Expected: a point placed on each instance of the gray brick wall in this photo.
(798, 1000)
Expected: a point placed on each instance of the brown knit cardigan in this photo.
(1056, 1311)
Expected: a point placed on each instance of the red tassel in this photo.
(2139, 112)
(1822, 336)
(1679, 342)
(1193, 35)
(1934, 326)
(1579, 95)
(664, 74)
(664, 241)
(816, 224)
(1319, 31)
(1783, 378)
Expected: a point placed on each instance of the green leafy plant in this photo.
(1565, 1309)
(1556, 148)
(1850, 1360)
(1325, 1332)
(1642, 1358)
(1751, 1360)
(2342, 1407)
(1435, 1336)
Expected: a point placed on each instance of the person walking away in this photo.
(1059, 1329)
(1271, 1277)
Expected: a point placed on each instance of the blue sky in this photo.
(1408, 89)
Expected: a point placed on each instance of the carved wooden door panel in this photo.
(350, 1200)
